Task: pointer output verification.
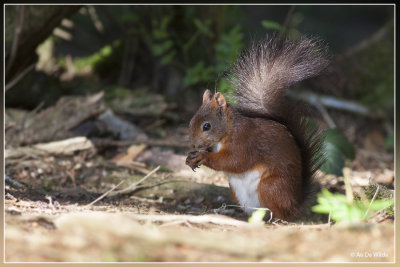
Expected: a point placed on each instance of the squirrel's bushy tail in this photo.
(260, 78)
(262, 73)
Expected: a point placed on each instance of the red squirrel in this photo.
(265, 147)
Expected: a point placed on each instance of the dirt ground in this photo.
(108, 201)
(172, 217)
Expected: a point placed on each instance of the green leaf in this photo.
(257, 216)
(228, 47)
(340, 209)
(168, 58)
(335, 148)
(271, 25)
(338, 139)
(202, 27)
(159, 49)
(198, 73)
(389, 142)
(382, 204)
(343, 211)
(159, 34)
(164, 22)
(334, 160)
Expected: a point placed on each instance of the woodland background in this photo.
(97, 103)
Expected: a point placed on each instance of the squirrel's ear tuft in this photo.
(219, 102)
(206, 96)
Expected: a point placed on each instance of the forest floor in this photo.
(102, 200)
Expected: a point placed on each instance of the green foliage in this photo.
(226, 50)
(199, 73)
(225, 87)
(271, 25)
(228, 47)
(343, 211)
(161, 44)
(291, 30)
(96, 60)
(335, 148)
(204, 28)
(389, 142)
(186, 38)
(257, 217)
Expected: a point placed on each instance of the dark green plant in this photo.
(186, 38)
(336, 148)
(389, 142)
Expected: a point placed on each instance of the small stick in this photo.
(329, 218)
(372, 200)
(18, 78)
(134, 185)
(103, 195)
(325, 114)
(347, 184)
(50, 202)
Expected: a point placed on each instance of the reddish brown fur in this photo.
(279, 194)
(267, 146)
(262, 131)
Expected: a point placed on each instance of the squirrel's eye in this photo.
(206, 126)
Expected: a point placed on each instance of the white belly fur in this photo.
(245, 187)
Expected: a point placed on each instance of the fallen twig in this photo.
(104, 195)
(14, 81)
(372, 200)
(325, 115)
(347, 184)
(133, 186)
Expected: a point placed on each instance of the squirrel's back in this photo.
(260, 78)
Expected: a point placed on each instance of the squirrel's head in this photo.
(210, 123)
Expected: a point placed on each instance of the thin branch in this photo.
(372, 200)
(347, 184)
(30, 113)
(133, 186)
(287, 20)
(333, 102)
(377, 36)
(104, 195)
(325, 114)
(19, 77)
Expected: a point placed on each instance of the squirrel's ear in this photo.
(219, 102)
(206, 96)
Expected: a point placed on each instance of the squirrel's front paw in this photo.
(195, 159)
